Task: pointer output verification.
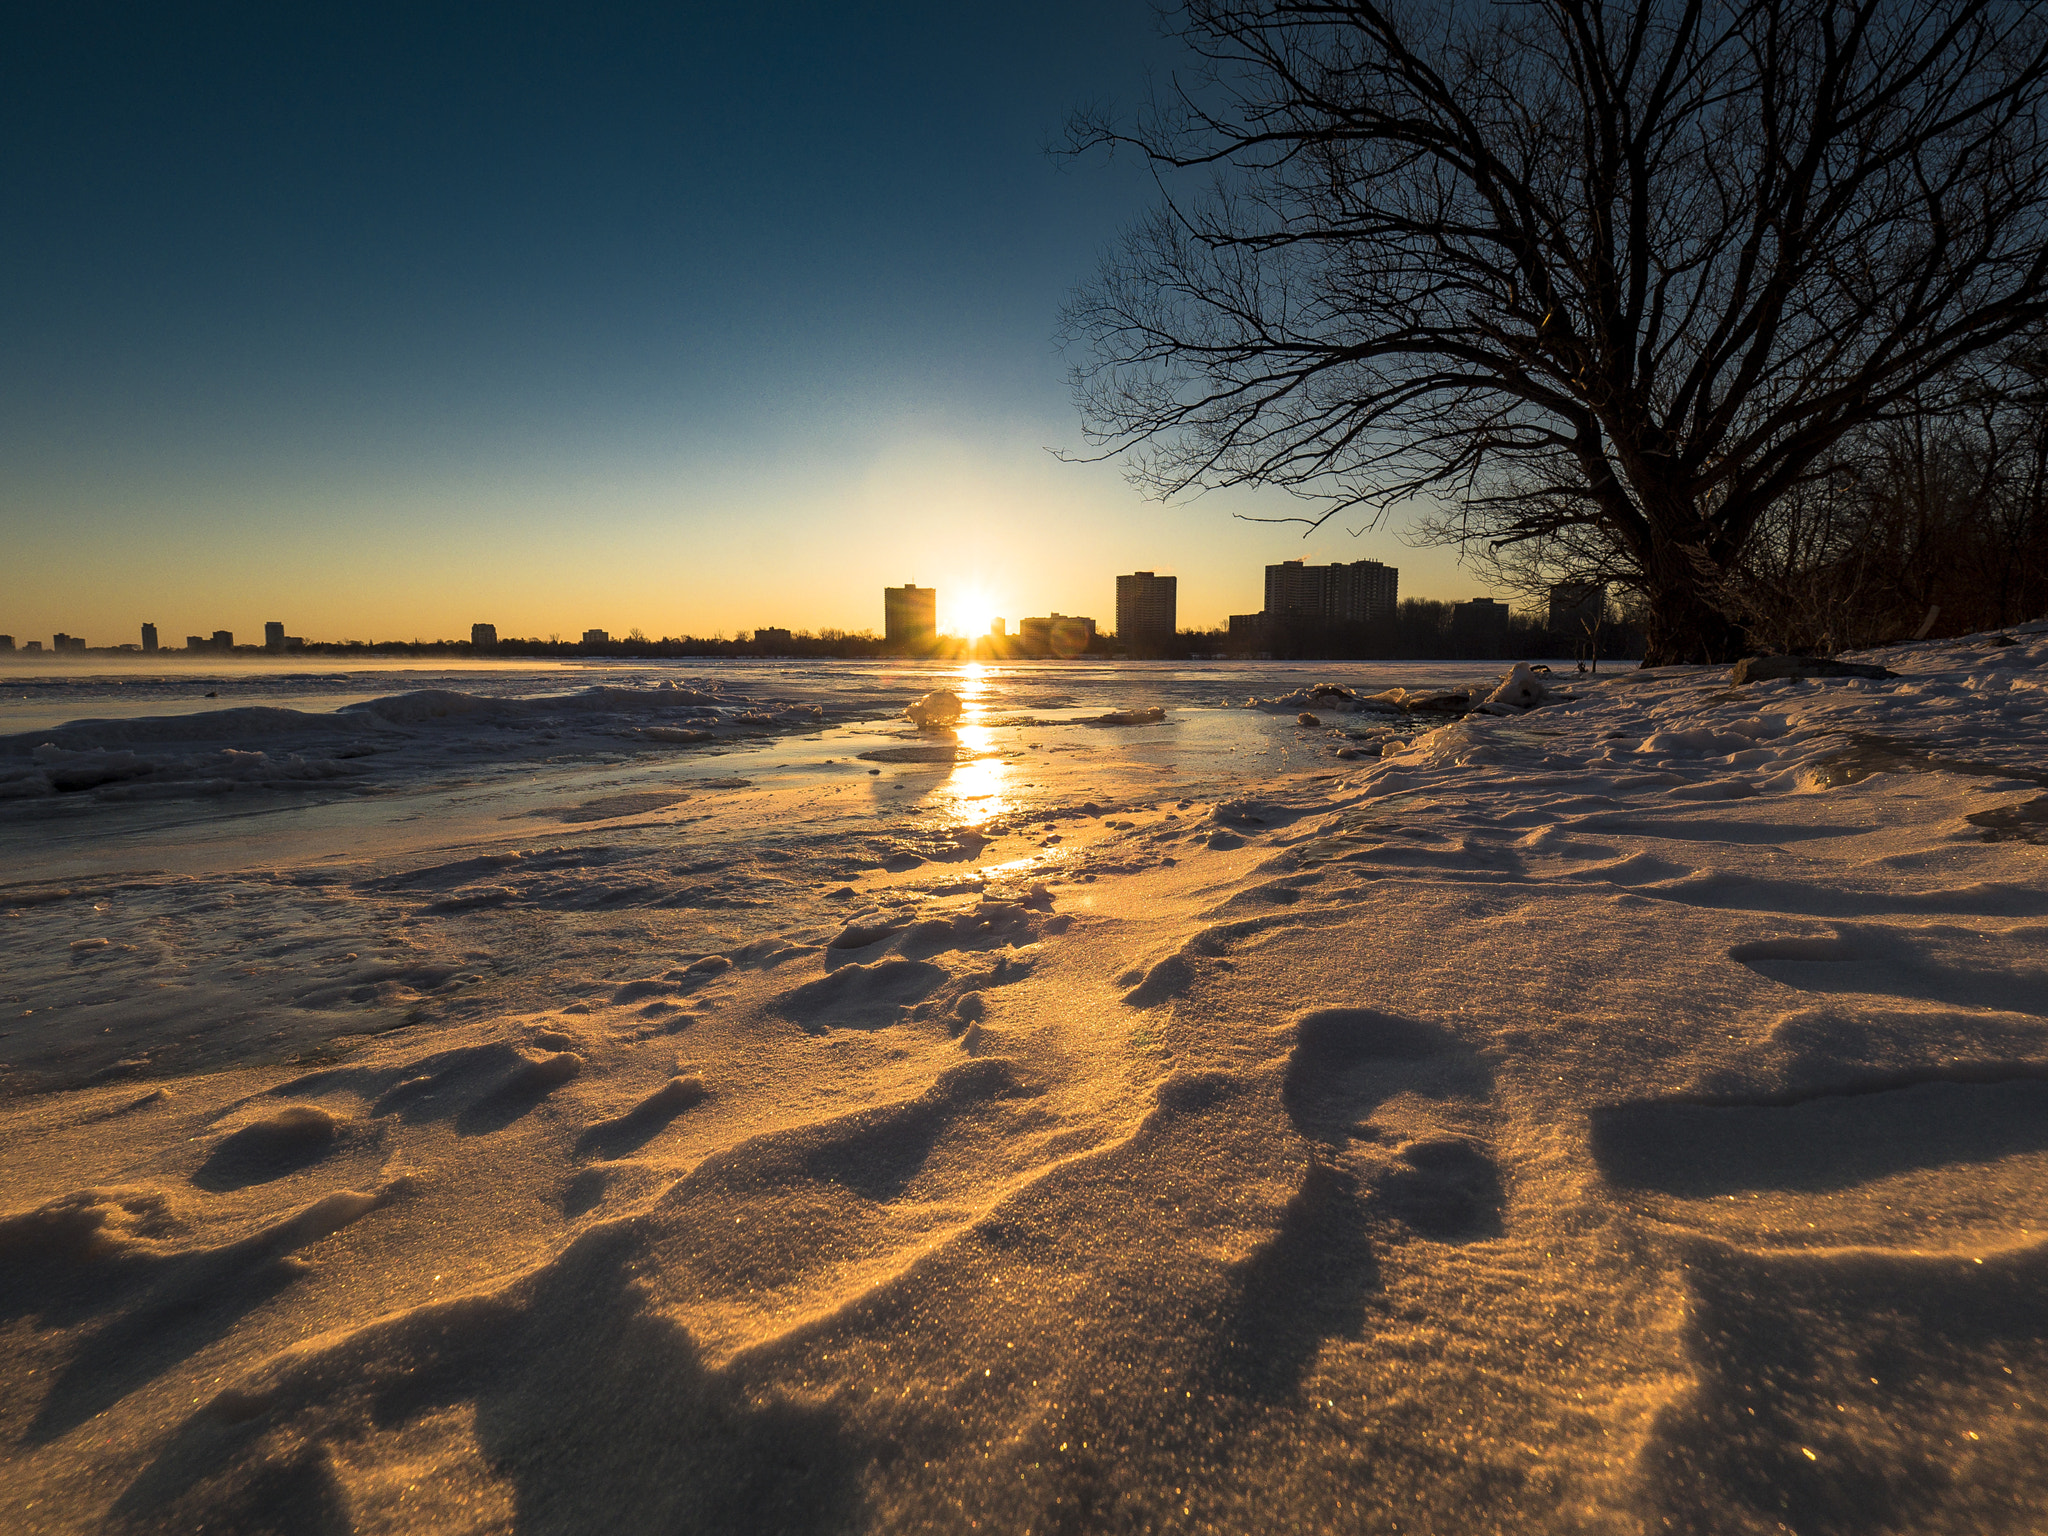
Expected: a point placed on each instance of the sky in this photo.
(381, 320)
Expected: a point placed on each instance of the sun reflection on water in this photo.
(979, 788)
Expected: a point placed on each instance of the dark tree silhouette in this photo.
(1613, 280)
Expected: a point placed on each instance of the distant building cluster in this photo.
(220, 642)
(1322, 596)
(910, 625)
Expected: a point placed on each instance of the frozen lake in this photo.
(309, 764)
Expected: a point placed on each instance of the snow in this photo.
(1623, 1112)
(270, 748)
(1520, 689)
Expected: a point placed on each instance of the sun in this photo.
(968, 614)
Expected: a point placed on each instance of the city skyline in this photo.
(1345, 600)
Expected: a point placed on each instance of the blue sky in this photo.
(382, 319)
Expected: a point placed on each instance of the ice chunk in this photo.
(1520, 689)
(942, 706)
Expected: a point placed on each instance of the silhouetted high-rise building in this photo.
(63, 642)
(595, 637)
(1295, 586)
(1365, 591)
(910, 615)
(483, 637)
(273, 636)
(223, 639)
(6, 642)
(1145, 608)
(149, 638)
(1360, 592)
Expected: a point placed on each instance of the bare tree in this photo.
(1609, 281)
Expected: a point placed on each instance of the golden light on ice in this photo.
(979, 787)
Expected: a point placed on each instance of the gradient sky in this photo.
(380, 320)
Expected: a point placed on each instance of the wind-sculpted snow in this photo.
(215, 751)
(1621, 1114)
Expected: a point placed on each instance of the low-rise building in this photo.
(1057, 634)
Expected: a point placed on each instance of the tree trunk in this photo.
(1685, 628)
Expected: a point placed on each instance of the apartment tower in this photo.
(1145, 606)
(910, 616)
